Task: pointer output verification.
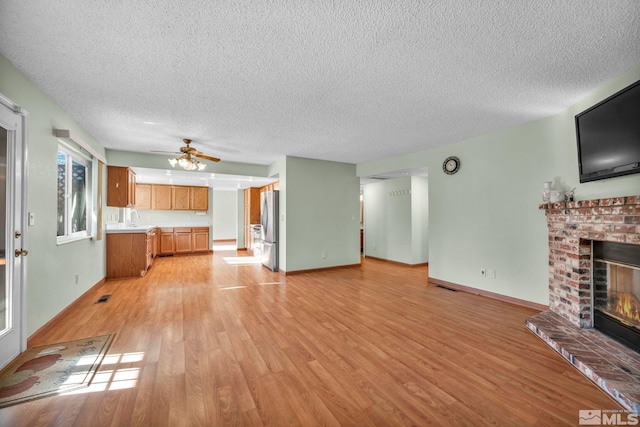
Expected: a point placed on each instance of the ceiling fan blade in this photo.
(203, 156)
(165, 152)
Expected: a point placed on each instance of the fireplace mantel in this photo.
(572, 226)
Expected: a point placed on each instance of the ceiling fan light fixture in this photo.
(187, 160)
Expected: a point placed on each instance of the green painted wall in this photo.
(486, 216)
(51, 269)
(223, 221)
(322, 214)
(396, 219)
(240, 243)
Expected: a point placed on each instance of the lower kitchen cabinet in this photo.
(129, 254)
(166, 241)
(183, 240)
(200, 238)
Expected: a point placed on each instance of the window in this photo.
(75, 205)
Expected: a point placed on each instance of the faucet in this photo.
(133, 211)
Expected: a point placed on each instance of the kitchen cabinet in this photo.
(166, 241)
(182, 240)
(200, 239)
(199, 198)
(180, 198)
(143, 196)
(121, 187)
(161, 196)
(129, 254)
(251, 214)
(171, 197)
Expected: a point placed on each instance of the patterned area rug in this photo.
(52, 369)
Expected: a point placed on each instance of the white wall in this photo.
(419, 219)
(487, 216)
(224, 215)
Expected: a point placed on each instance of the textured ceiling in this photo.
(350, 81)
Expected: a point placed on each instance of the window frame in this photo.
(74, 155)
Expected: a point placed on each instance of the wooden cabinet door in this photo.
(254, 203)
(200, 239)
(182, 240)
(149, 253)
(126, 255)
(161, 198)
(154, 243)
(200, 198)
(131, 188)
(120, 187)
(143, 196)
(166, 241)
(180, 197)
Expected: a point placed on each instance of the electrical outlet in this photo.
(491, 273)
(324, 254)
(483, 272)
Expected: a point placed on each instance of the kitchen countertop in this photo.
(143, 228)
(129, 228)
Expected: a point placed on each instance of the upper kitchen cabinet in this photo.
(200, 198)
(161, 196)
(143, 196)
(190, 198)
(121, 187)
(180, 198)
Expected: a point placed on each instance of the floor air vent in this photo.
(103, 298)
(444, 287)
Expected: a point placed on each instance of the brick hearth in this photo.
(566, 327)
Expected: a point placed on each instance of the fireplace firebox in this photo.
(616, 291)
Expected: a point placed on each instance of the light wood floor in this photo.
(204, 341)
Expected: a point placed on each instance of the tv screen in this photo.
(608, 136)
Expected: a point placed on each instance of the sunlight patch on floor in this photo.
(239, 260)
(227, 247)
(114, 379)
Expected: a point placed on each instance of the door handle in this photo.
(21, 252)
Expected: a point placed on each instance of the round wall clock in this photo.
(451, 165)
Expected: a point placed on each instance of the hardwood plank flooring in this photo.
(212, 340)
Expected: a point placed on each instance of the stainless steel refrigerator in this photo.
(269, 221)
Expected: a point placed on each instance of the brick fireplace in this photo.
(568, 324)
(572, 227)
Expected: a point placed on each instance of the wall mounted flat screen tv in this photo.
(608, 136)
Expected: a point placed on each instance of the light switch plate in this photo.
(32, 218)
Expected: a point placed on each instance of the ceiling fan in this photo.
(187, 160)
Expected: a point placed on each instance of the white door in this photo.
(13, 237)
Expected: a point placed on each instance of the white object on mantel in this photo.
(556, 196)
(546, 191)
